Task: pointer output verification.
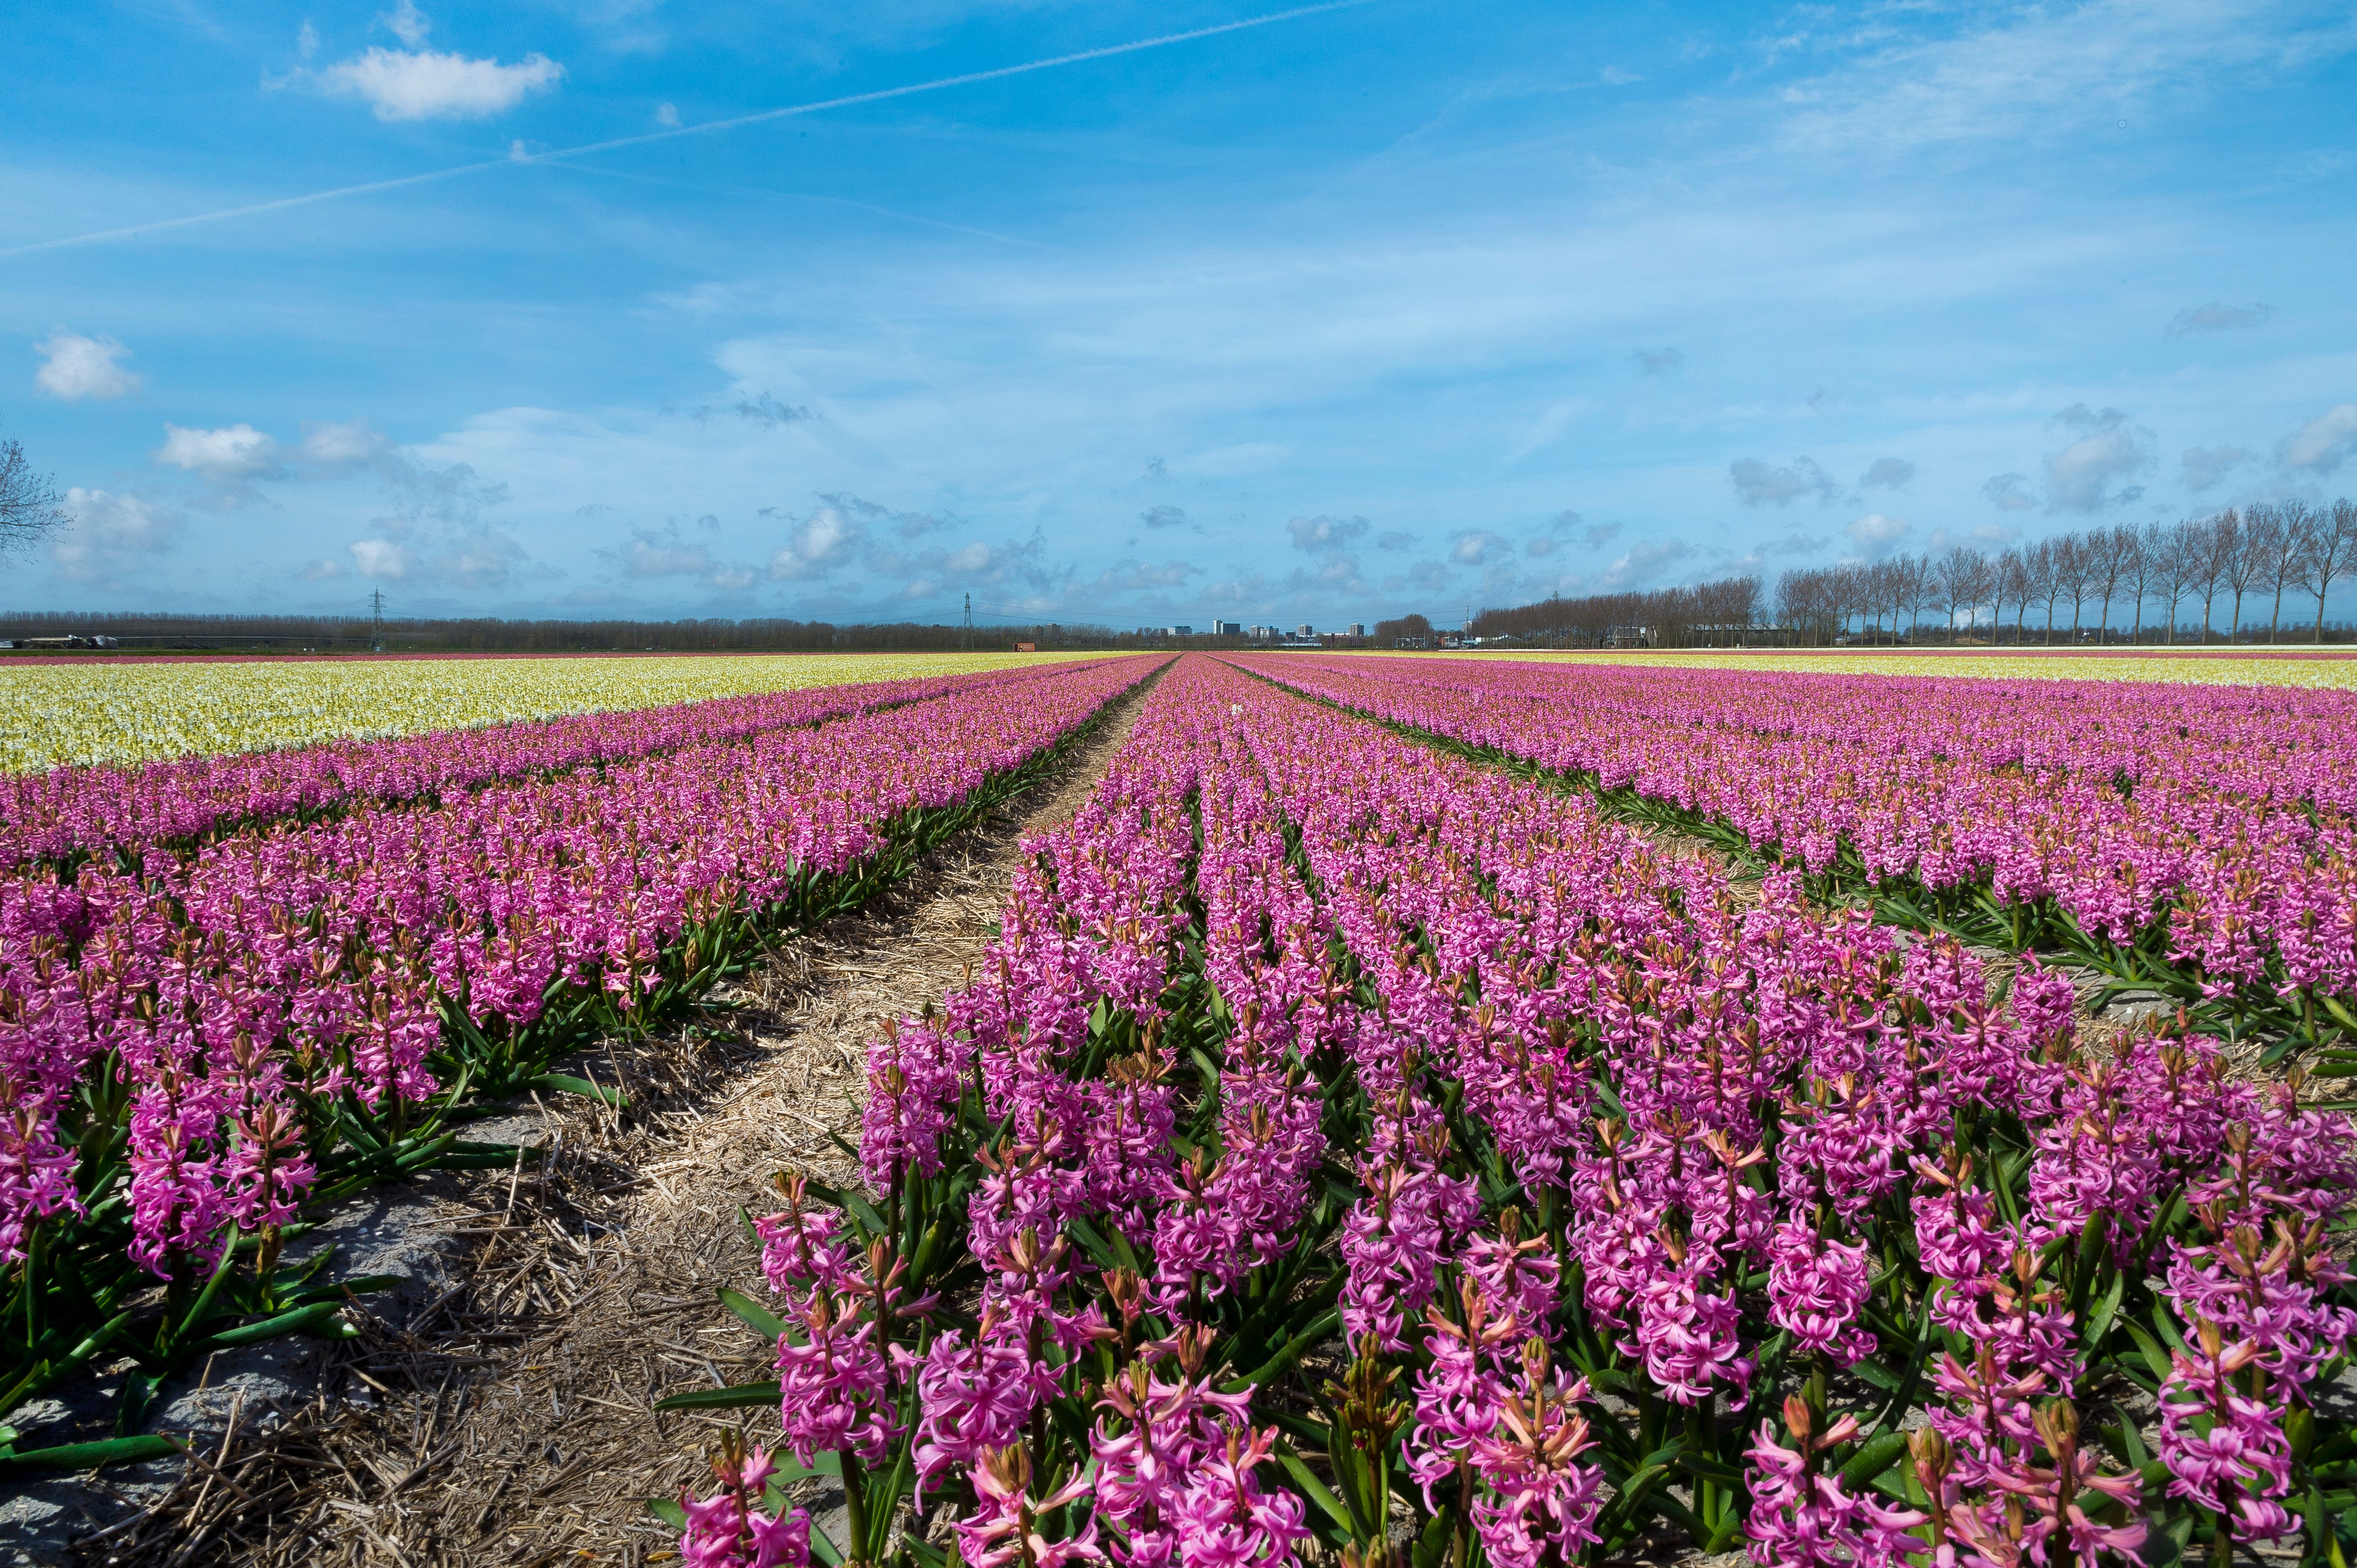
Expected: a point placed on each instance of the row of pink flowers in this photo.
(1612, 1122)
(51, 814)
(2228, 827)
(281, 966)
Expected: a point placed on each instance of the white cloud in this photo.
(401, 85)
(1478, 545)
(2007, 492)
(110, 537)
(818, 544)
(667, 115)
(1987, 536)
(408, 23)
(1132, 577)
(323, 570)
(2324, 443)
(436, 532)
(2080, 476)
(1322, 534)
(1757, 484)
(341, 447)
(2205, 465)
(229, 455)
(1643, 562)
(668, 552)
(1875, 534)
(382, 559)
(306, 42)
(664, 556)
(1888, 473)
(80, 367)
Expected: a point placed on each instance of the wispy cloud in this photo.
(2214, 317)
(388, 74)
(2324, 443)
(2034, 71)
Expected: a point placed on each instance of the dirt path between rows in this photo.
(510, 1422)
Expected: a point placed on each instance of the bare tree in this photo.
(1982, 590)
(2038, 561)
(2185, 552)
(2242, 548)
(1960, 576)
(2074, 574)
(2209, 542)
(1906, 595)
(1849, 591)
(2139, 564)
(2108, 549)
(2012, 583)
(1914, 589)
(30, 507)
(1882, 589)
(2277, 551)
(2330, 545)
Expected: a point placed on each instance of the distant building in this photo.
(1356, 630)
(1027, 648)
(1227, 629)
(1180, 630)
(1305, 629)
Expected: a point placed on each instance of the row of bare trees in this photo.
(1684, 616)
(2233, 563)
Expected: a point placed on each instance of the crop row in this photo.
(2319, 670)
(123, 811)
(1344, 1144)
(196, 1049)
(2213, 857)
(124, 713)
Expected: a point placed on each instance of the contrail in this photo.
(966, 79)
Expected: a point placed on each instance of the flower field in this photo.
(122, 711)
(2197, 842)
(65, 811)
(232, 993)
(1355, 1150)
(2315, 671)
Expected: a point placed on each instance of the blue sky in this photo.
(1392, 307)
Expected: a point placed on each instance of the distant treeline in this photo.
(1706, 614)
(283, 634)
(2239, 566)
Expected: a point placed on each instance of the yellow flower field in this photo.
(136, 711)
(2330, 673)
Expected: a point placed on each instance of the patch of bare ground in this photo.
(509, 1421)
